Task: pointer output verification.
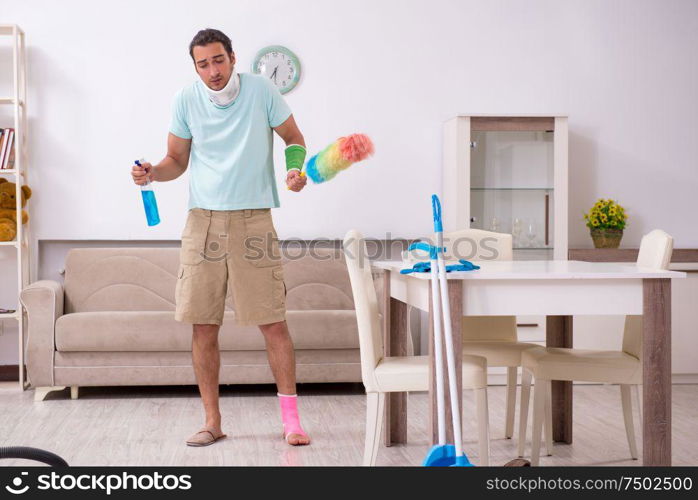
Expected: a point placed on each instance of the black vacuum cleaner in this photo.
(36, 454)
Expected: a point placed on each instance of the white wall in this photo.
(102, 76)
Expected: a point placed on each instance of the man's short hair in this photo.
(210, 35)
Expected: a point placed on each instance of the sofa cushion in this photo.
(144, 279)
(158, 331)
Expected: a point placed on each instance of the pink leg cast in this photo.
(293, 432)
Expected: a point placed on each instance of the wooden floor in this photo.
(148, 426)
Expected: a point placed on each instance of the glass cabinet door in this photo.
(512, 188)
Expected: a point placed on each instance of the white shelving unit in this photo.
(503, 167)
(18, 103)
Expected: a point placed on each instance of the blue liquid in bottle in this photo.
(149, 202)
(151, 207)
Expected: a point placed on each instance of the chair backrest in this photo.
(470, 244)
(656, 248)
(476, 244)
(366, 306)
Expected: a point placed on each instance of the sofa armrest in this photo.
(43, 301)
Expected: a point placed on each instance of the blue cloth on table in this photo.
(425, 267)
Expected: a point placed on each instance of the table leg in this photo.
(558, 333)
(656, 372)
(455, 291)
(394, 344)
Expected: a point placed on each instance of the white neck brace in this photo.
(227, 94)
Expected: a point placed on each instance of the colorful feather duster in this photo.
(339, 156)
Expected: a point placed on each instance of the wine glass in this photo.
(531, 234)
(516, 228)
(494, 225)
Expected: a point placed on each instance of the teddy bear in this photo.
(8, 208)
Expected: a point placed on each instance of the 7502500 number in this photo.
(658, 483)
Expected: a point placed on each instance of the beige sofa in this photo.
(112, 323)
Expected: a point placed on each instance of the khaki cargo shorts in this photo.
(230, 249)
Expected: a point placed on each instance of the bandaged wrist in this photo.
(295, 157)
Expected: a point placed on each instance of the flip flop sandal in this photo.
(518, 462)
(202, 439)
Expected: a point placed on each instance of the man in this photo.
(222, 125)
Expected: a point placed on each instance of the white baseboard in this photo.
(679, 378)
(684, 378)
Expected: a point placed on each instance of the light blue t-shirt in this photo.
(231, 165)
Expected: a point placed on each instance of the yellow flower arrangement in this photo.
(606, 214)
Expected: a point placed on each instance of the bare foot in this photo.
(295, 439)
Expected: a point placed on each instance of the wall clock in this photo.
(278, 64)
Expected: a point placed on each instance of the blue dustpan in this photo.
(444, 455)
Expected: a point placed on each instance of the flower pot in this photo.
(606, 238)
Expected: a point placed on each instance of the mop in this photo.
(443, 454)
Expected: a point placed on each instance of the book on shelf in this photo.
(2, 144)
(11, 159)
(7, 159)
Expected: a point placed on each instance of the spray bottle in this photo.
(149, 203)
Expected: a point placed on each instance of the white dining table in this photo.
(559, 290)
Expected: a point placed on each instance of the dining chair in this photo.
(384, 374)
(622, 367)
(493, 337)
